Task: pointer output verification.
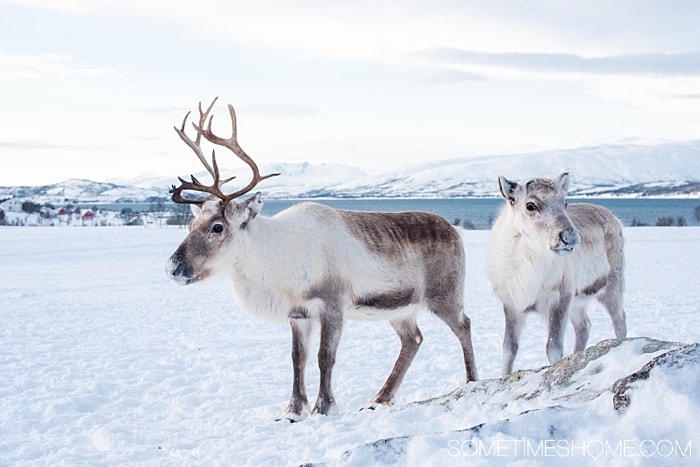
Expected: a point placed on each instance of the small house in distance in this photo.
(88, 218)
(11, 205)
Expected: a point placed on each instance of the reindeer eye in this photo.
(218, 228)
(532, 207)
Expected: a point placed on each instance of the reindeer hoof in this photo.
(294, 415)
(376, 402)
(324, 407)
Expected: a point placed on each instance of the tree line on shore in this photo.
(163, 213)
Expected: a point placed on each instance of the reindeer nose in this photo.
(569, 237)
(173, 268)
(178, 270)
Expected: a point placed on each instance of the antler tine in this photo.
(232, 144)
(194, 145)
(217, 176)
(213, 169)
(185, 185)
(196, 185)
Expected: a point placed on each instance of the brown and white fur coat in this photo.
(548, 257)
(312, 264)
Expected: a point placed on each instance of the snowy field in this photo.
(104, 361)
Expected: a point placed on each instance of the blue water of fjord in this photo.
(481, 211)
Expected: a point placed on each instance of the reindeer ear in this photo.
(563, 181)
(242, 213)
(255, 203)
(508, 189)
(196, 209)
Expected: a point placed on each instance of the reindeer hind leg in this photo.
(445, 298)
(611, 299)
(453, 315)
(411, 339)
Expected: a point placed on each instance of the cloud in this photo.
(75, 6)
(685, 63)
(270, 110)
(169, 112)
(450, 76)
(43, 145)
(695, 95)
(386, 30)
(20, 67)
(279, 110)
(383, 30)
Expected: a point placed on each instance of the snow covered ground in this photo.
(104, 361)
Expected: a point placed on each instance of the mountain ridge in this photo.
(630, 170)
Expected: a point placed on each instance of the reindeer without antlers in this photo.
(553, 258)
(359, 265)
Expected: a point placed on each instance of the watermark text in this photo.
(594, 449)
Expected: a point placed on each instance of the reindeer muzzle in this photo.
(568, 239)
(180, 271)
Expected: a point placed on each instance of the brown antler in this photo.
(213, 169)
(232, 144)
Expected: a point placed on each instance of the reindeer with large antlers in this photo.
(314, 264)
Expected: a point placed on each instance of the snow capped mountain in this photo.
(663, 169)
(668, 169)
(295, 180)
(603, 170)
(75, 191)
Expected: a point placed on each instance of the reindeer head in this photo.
(220, 223)
(539, 212)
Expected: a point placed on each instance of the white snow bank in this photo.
(565, 413)
(104, 361)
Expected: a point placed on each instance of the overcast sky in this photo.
(92, 88)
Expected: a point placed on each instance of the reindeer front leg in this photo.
(515, 321)
(331, 329)
(298, 408)
(558, 318)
